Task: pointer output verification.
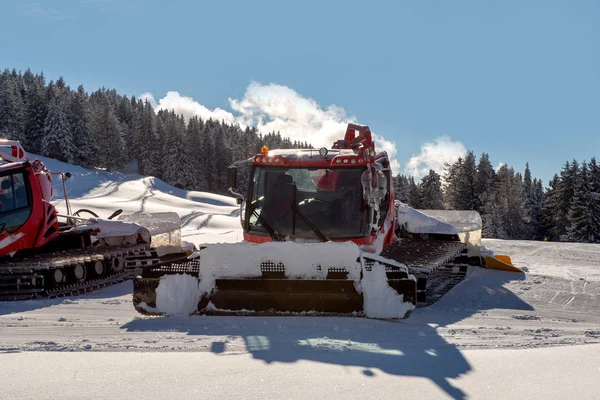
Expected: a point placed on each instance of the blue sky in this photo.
(517, 79)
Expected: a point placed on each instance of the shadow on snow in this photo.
(410, 347)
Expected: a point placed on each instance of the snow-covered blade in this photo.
(284, 277)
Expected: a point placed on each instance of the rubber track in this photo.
(442, 280)
(71, 257)
(135, 258)
(89, 286)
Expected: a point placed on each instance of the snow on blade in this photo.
(240, 260)
(177, 295)
(380, 300)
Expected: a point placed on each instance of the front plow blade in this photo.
(274, 296)
(287, 295)
(265, 279)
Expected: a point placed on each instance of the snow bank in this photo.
(417, 222)
(447, 222)
(156, 223)
(380, 300)
(461, 220)
(240, 260)
(177, 295)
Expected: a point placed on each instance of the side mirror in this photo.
(232, 177)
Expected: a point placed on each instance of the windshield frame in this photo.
(355, 228)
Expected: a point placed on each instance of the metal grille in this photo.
(191, 267)
(270, 266)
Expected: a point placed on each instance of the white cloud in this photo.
(187, 107)
(500, 165)
(273, 108)
(148, 97)
(433, 155)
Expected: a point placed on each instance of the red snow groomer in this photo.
(47, 254)
(319, 229)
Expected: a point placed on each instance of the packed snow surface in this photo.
(495, 335)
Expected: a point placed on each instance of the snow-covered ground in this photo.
(495, 335)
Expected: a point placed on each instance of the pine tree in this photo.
(551, 203)
(124, 113)
(493, 216)
(451, 176)
(35, 116)
(509, 203)
(582, 210)
(80, 121)
(402, 189)
(209, 167)
(414, 193)
(57, 140)
(222, 160)
(193, 139)
(483, 181)
(595, 198)
(465, 184)
(11, 109)
(566, 190)
(106, 132)
(537, 209)
(531, 219)
(431, 196)
(177, 165)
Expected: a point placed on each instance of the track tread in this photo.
(135, 258)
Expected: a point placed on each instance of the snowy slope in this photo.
(205, 217)
(495, 335)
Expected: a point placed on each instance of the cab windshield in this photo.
(290, 200)
(15, 207)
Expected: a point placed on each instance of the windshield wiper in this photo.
(312, 226)
(267, 226)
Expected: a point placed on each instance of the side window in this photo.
(15, 209)
(7, 202)
(20, 191)
(13, 192)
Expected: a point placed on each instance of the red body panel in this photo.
(42, 225)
